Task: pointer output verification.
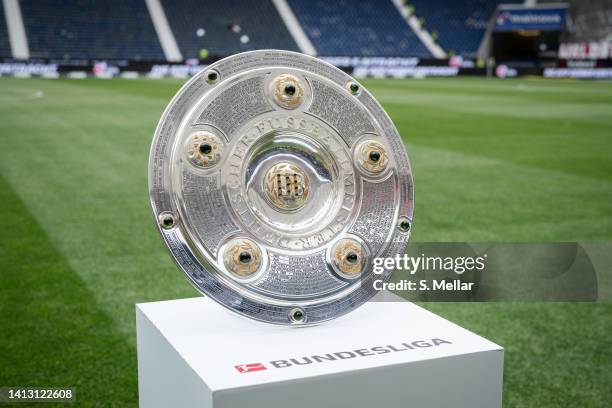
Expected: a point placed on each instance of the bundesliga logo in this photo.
(342, 355)
(247, 368)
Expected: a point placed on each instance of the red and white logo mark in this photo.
(247, 368)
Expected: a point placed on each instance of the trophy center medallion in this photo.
(287, 186)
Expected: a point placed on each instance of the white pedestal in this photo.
(193, 353)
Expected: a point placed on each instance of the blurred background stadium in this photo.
(396, 38)
(508, 139)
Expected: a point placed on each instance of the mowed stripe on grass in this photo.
(493, 160)
(53, 331)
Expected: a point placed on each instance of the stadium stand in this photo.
(110, 29)
(5, 46)
(590, 21)
(240, 25)
(460, 24)
(357, 28)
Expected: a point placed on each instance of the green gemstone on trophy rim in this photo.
(297, 315)
(404, 225)
(167, 221)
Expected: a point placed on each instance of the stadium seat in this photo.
(5, 46)
(70, 29)
(460, 24)
(589, 21)
(227, 27)
(357, 28)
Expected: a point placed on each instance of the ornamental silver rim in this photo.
(294, 214)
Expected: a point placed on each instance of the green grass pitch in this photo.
(493, 160)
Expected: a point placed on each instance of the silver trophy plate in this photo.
(275, 180)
